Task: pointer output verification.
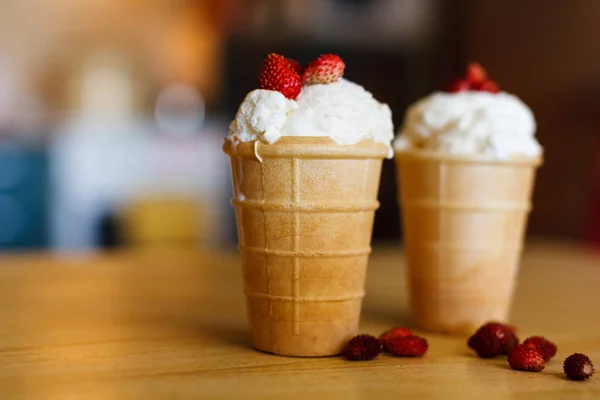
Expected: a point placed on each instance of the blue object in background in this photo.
(23, 197)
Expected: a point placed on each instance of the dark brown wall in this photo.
(548, 53)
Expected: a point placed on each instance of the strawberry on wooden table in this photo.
(578, 367)
(493, 339)
(407, 346)
(394, 333)
(524, 358)
(545, 347)
(362, 348)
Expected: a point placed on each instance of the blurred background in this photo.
(113, 112)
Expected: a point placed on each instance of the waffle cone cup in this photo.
(305, 209)
(464, 220)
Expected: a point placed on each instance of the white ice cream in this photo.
(497, 126)
(343, 111)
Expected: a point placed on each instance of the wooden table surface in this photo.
(171, 324)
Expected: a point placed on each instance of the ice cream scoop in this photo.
(342, 111)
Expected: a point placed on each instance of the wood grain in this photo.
(171, 324)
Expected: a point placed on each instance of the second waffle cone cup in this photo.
(464, 220)
(305, 208)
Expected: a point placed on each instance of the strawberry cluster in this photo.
(476, 78)
(287, 76)
(399, 342)
(493, 339)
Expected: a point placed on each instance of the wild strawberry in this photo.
(296, 66)
(476, 78)
(525, 358)
(492, 339)
(393, 333)
(277, 74)
(578, 367)
(510, 328)
(484, 346)
(326, 69)
(546, 348)
(513, 341)
(486, 86)
(362, 347)
(476, 73)
(458, 85)
(407, 346)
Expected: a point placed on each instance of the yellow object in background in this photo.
(165, 222)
